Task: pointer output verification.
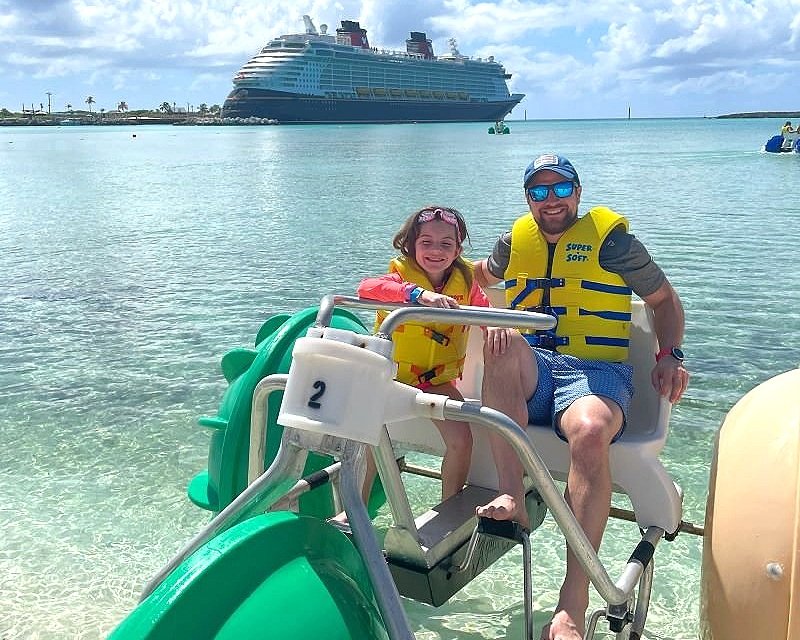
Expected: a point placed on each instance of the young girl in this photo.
(431, 272)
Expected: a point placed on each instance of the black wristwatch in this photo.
(675, 352)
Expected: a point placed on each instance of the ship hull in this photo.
(289, 108)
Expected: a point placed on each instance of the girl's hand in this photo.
(498, 339)
(433, 299)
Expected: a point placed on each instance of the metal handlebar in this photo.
(400, 313)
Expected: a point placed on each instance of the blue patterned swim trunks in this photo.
(563, 379)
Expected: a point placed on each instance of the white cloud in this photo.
(597, 50)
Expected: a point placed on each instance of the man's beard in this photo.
(557, 226)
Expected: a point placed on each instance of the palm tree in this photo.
(69, 107)
(166, 107)
(122, 106)
(90, 101)
(202, 109)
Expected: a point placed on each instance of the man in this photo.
(583, 271)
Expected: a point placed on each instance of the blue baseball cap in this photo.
(551, 162)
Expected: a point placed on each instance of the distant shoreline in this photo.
(113, 120)
(761, 114)
(145, 118)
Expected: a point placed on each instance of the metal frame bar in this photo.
(612, 593)
(383, 584)
(272, 485)
(281, 477)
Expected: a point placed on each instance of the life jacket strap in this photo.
(531, 284)
(434, 335)
(546, 340)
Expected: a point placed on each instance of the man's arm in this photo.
(483, 276)
(669, 376)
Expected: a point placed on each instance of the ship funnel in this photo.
(351, 33)
(310, 28)
(420, 44)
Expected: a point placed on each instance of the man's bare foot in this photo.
(561, 627)
(504, 507)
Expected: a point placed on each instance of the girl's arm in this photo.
(389, 287)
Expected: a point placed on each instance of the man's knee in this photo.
(588, 434)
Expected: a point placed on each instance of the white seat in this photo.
(635, 468)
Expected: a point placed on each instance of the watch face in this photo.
(677, 354)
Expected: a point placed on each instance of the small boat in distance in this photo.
(787, 141)
(314, 77)
(499, 128)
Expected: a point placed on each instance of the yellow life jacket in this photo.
(592, 305)
(432, 353)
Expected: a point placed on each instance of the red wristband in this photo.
(663, 352)
(675, 352)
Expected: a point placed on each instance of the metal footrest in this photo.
(453, 552)
(507, 529)
(509, 532)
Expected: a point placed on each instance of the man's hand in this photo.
(670, 378)
(497, 339)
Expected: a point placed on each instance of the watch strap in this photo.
(668, 351)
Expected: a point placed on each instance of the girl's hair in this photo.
(406, 238)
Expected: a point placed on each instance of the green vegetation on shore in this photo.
(763, 114)
(165, 114)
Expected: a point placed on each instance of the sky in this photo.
(572, 58)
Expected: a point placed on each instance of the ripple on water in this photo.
(128, 270)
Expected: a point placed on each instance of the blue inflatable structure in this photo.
(779, 144)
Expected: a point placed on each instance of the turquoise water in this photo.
(132, 259)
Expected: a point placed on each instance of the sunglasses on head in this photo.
(539, 192)
(426, 215)
(446, 215)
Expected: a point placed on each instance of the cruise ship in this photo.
(315, 77)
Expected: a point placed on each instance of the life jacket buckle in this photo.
(427, 376)
(441, 338)
(547, 341)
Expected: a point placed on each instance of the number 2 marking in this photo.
(319, 385)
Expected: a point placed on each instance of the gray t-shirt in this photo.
(621, 253)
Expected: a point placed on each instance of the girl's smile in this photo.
(436, 248)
